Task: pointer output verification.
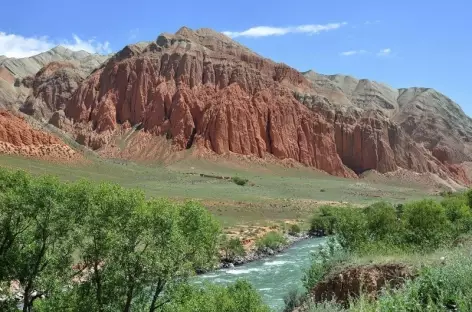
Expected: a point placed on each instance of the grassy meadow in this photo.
(273, 192)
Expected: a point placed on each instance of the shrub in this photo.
(382, 222)
(351, 228)
(272, 240)
(239, 181)
(324, 260)
(323, 222)
(293, 299)
(294, 229)
(458, 213)
(440, 288)
(426, 224)
(469, 198)
(233, 248)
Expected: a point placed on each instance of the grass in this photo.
(275, 192)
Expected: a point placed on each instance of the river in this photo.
(274, 276)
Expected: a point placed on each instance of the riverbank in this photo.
(260, 254)
(272, 276)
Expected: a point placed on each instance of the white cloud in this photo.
(352, 52)
(264, 31)
(385, 52)
(371, 22)
(12, 45)
(90, 45)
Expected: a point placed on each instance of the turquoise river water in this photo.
(274, 276)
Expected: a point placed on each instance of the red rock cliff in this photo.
(201, 88)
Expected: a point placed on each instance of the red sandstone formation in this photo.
(203, 89)
(52, 86)
(17, 137)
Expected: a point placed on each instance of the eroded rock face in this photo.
(203, 88)
(52, 86)
(200, 88)
(19, 138)
(367, 280)
(427, 116)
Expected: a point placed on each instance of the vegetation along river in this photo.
(274, 276)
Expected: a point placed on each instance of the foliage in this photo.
(294, 229)
(272, 240)
(437, 288)
(382, 222)
(240, 296)
(426, 224)
(468, 195)
(324, 222)
(351, 228)
(293, 299)
(324, 260)
(458, 213)
(122, 245)
(239, 181)
(232, 247)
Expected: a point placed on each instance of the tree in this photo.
(232, 247)
(238, 297)
(426, 223)
(42, 246)
(381, 220)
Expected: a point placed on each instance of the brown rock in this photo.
(52, 86)
(200, 88)
(19, 138)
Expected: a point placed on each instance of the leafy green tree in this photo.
(426, 223)
(382, 221)
(271, 240)
(238, 297)
(458, 213)
(40, 248)
(351, 228)
(232, 247)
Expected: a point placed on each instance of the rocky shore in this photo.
(258, 254)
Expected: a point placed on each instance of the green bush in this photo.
(324, 221)
(131, 244)
(458, 213)
(293, 299)
(232, 248)
(351, 228)
(238, 297)
(239, 181)
(324, 260)
(440, 288)
(272, 240)
(426, 224)
(382, 222)
(294, 229)
(468, 195)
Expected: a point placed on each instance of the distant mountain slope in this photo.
(428, 116)
(29, 66)
(202, 90)
(16, 74)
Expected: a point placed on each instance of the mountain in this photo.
(202, 90)
(17, 74)
(18, 137)
(29, 66)
(429, 117)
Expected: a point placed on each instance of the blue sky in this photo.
(402, 43)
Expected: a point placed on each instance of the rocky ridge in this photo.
(17, 74)
(17, 137)
(201, 89)
(427, 116)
